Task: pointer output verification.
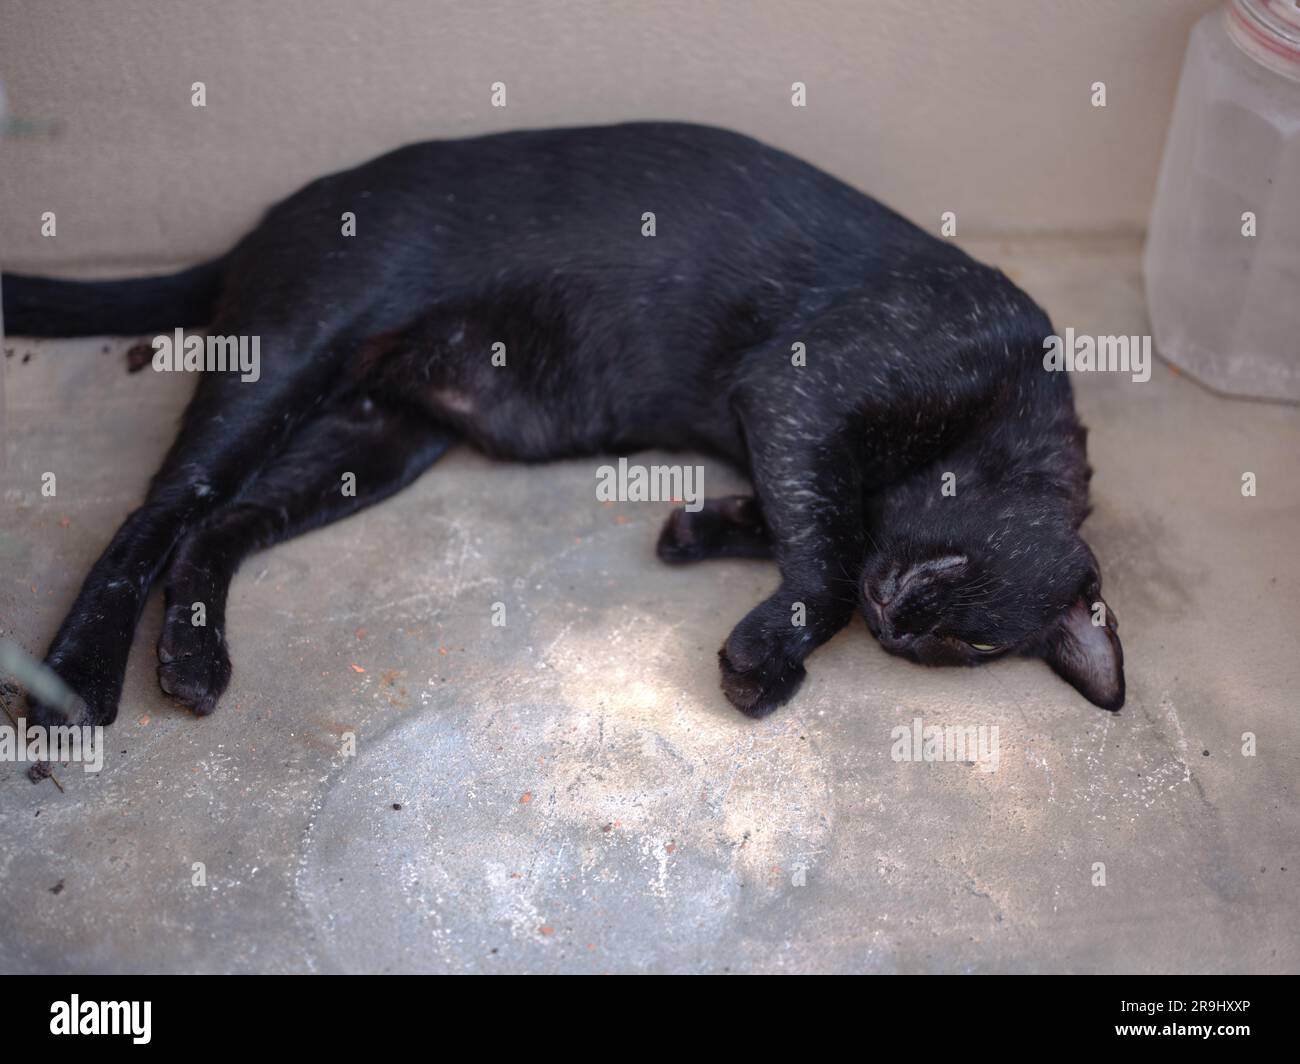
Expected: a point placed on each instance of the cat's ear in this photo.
(1084, 650)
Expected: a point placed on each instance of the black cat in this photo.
(622, 331)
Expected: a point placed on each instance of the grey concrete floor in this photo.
(576, 794)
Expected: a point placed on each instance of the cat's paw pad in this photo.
(193, 666)
(756, 683)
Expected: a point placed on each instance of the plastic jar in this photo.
(1222, 262)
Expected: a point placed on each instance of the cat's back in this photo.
(696, 161)
(639, 193)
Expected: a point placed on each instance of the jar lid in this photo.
(1269, 32)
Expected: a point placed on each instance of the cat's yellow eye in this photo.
(983, 646)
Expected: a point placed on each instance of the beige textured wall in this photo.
(981, 108)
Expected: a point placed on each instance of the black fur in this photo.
(376, 356)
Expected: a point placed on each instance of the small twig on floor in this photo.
(50, 687)
(39, 679)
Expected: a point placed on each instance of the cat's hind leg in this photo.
(229, 429)
(373, 446)
(728, 527)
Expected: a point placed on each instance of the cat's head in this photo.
(1006, 572)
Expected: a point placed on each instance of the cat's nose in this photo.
(881, 623)
(882, 626)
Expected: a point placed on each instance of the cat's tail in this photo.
(44, 306)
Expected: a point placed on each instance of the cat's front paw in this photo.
(757, 673)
